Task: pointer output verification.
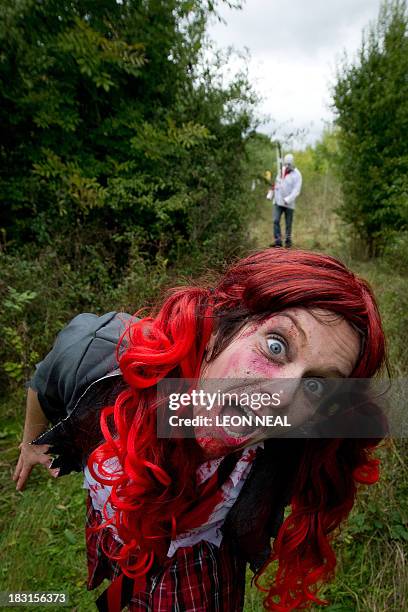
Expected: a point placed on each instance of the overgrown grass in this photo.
(42, 545)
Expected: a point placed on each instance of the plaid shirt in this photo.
(199, 578)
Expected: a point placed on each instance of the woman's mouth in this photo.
(236, 421)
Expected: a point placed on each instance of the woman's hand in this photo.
(31, 455)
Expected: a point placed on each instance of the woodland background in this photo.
(128, 166)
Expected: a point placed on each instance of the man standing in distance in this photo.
(286, 189)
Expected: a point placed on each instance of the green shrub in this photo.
(370, 98)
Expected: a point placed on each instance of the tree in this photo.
(370, 99)
(112, 125)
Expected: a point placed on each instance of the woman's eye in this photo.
(314, 386)
(276, 347)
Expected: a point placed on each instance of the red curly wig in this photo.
(155, 494)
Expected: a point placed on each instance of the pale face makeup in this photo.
(304, 346)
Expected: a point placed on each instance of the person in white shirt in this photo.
(286, 189)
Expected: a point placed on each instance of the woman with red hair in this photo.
(172, 522)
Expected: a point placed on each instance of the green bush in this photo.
(370, 98)
(113, 120)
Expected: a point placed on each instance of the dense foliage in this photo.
(122, 160)
(112, 121)
(371, 102)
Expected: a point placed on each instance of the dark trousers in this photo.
(277, 213)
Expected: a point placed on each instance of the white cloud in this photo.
(294, 48)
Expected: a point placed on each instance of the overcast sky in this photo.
(294, 49)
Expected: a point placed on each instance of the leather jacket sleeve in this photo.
(77, 378)
(83, 352)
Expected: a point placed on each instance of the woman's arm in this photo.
(35, 423)
(83, 352)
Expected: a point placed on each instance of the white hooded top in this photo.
(287, 189)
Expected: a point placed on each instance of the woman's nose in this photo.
(288, 390)
(297, 405)
(290, 383)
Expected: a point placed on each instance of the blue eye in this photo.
(314, 386)
(276, 347)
